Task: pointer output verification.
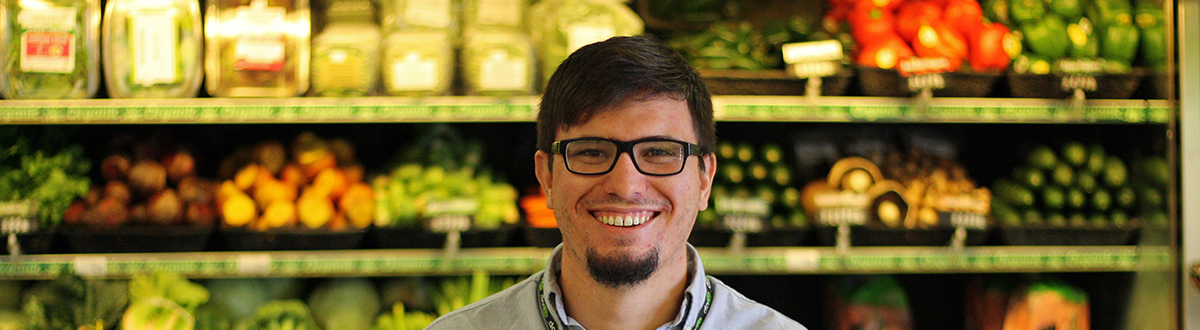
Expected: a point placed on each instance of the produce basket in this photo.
(1067, 236)
(541, 237)
(421, 238)
(136, 239)
(880, 236)
(238, 239)
(889, 83)
(771, 82)
(1049, 86)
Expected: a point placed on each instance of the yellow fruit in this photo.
(279, 213)
(271, 190)
(314, 209)
(238, 210)
(358, 203)
(247, 176)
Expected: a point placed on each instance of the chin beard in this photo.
(621, 271)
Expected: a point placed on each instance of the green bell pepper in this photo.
(1068, 9)
(1154, 48)
(1029, 63)
(1084, 42)
(1147, 16)
(1047, 36)
(1021, 11)
(1108, 12)
(997, 11)
(1119, 43)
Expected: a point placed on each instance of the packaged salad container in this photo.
(152, 48)
(418, 63)
(257, 48)
(52, 49)
(345, 60)
(498, 62)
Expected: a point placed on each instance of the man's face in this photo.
(619, 255)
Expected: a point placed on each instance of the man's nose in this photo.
(624, 179)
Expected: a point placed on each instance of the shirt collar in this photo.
(693, 298)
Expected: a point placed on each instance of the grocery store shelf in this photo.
(524, 109)
(717, 261)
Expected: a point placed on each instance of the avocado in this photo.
(772, 153)
(1029, 176)
(1077, 220)
(781, 175)
(1115, 174)
(726, 150)
(1042, 157)
(1074, 153)
(745, 152)
(1098, 220)
(1101, 200)
(1053, 198)
(1124, 197)
(1096, 157)
(1119, 219)
(1085, 180)
(758, 171)
(1013, 194)
(1076, 199)
(1055, 219)
(1062, 175)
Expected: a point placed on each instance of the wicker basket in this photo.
(889, 83)
(1049, 86)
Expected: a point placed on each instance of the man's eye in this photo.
(591, 153)
(660, 152)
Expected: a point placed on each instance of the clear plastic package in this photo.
(152, 48)
(418, 63)
(257, 48)
(498, 62)
(52, 49)
(345, 60)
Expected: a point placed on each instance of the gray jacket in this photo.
(517, 307)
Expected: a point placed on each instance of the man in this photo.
(625, 140)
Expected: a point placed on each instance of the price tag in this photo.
(813, 51)
(449, 223)
(748, 224)
(924, 65)
(930, 81)
(748, 206)
(1079, 66)
(842, 216)
(91, 266)
(963, 219)
(1085, 83)
(254, 264)
(814, 69)
(451, 206)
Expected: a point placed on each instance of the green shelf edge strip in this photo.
(517, 261)
(524, 109)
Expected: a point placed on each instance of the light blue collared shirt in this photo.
(517, 307)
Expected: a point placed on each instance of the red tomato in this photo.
(993, 46)
(940, 40)
(963, 15)
(884, 54)
(913, 14)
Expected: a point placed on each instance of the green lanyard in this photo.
(552, 325)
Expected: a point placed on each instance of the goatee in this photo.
(621, 270)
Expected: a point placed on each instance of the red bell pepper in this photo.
(913, 14)
(993, 47)
(884, 54)
(870, 24)
(941, 40)
(963, 15)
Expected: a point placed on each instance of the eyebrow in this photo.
(652, 137)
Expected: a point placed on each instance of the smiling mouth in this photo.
(624, 219)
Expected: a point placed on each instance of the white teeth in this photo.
(624, 221)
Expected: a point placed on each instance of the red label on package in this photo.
(47, 51)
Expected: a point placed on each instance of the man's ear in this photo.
(706, 178)
(541, 165)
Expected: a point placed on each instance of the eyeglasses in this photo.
(653, 156)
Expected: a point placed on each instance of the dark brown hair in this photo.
(600, 76)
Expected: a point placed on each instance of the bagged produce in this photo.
(562, 26)
(53, 49)
(152, 49)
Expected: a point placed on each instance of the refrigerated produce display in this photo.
(912, 164)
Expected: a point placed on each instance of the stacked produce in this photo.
(1077, 187)
(51, 179)
(949, 33)
(1151, 186)
(152, 183)
(164, 301)
(319, 186)
(748, 175)
(933, 186)
(1105, 34)
(559, 27)
(440, 175)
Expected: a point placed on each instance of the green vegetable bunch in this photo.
(399, 319)
(70, 302)
(456, 293)
(283, 315)
(52, 180)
